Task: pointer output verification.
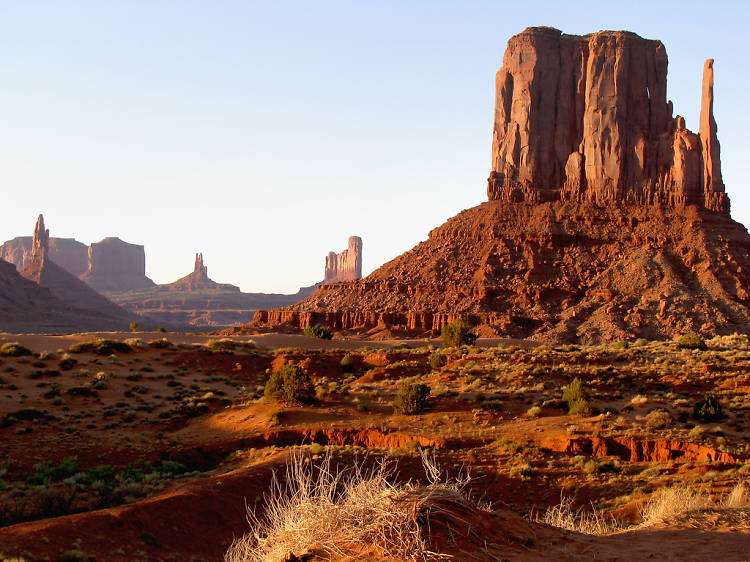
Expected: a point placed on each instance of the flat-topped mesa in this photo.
(346, 266)
(586, 118)
(115, 265)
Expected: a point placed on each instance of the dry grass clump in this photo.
(672, 502)
(593, 522)
(333, 512)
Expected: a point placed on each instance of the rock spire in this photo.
(40, 241)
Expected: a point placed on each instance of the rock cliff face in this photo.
(346, 266)
(68, 253)
(114, 265)
(587, 119)
(86, 307)
(607, 218)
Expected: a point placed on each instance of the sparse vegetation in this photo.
(320, 332)
(437, 360)
(100, 347)
(14, 349)
(457, 333)
(708, 409)
(411, 398)
(291, 384)
(691, 341)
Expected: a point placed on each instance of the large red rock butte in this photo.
(607, 219)
(346, 266)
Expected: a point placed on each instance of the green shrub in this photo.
(320, 332)
(291, 384)
(100, 347)
(220, 346)
(692, 341)
(347, 364)
(133, 326)
(576, 397)
(437, 360)
(457, 333)
(708, 409)
(621, 345)
(411, 398)
(161, 330)
(14, 349)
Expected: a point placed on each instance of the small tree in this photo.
(411, 398)
(320, 332)
(577, 400)
(133, 327)
(457, 333)
(437, 360)
(291, 384)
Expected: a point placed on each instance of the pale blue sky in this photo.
(265, 133)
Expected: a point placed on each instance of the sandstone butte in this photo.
(607, 218)
(109, 265)
(44, 296)
(346, 266)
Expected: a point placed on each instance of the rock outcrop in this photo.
(68, 253)
(114, 265)
(76, 295)
(586, 118)
(346, 266)
(198, 280)
(607, 218)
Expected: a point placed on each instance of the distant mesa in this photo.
(115, 265)
(346, 266)
(68, 289)
(607, 218)
(109, 265)
(68, 253)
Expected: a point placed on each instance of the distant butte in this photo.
(346, 266)
(607, 218)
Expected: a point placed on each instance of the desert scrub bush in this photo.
(669, 503)
(337, 512)
(100, 347)
(14, 349)
(162, 343)
(437, 360)
(708, 409)
(221, 346)
(320, 332)
(291, 384)
(576, 398)
(347, 364)
(457, 333)
(691, 341)
(411, 398)
(564, 516)
(658, 419)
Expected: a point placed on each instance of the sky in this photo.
(264, 134)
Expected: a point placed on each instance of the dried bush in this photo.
(335, 513)
(658, 419)
(564, 516)
(14, 349)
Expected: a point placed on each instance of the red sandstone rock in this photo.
(115, 265)
(198, 280)
(586, 118)
(78, 297)
(346, 266)
(68, 253)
